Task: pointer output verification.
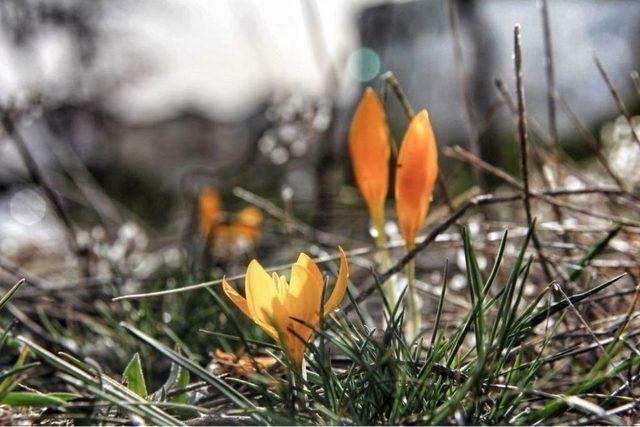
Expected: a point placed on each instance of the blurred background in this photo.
(128, 110)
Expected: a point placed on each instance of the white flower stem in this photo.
(384, 260)
(414, 321)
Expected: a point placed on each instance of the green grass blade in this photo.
(6, 297)
(596, 250)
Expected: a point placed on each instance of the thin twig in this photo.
(465, 92)
(591, 140)
(584, 323)
(511, 181)
(617, 98)
(635, 78)
(551, 87)
(37, 176)
(391, 80)
(551, 111)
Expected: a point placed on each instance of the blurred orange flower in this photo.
(247, 223)
(370, 152)
(210, 211)
(245, 227)
(416, 174)
(279, 307)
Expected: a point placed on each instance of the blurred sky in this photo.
(222, 56)
(233, 49)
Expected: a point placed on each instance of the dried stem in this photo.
(391, 80)
(465, 92)
(551, 87)
(524, 142)
(511, 181)
(635, 78)
(592, 141)
(617, 98)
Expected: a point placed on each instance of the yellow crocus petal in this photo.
(305, 261)
(236, 298)
(370, 152)
(340, 287)
(261, 291)
(416, 174)
(302, 305)
(296, 349)
(317, 281)
(243, 305)
(303, 297)
(292, 335)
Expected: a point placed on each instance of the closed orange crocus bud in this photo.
(209, 209)
(370, 151)
(416, 174)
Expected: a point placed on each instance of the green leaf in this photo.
(182, 382)
(27, 398)
(133, 377)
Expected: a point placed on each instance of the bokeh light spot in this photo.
(27, 207)
(363, 64)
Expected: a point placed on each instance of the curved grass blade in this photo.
(542, 314)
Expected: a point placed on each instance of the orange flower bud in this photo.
(370, 152)
(416, 174)
(209, 209)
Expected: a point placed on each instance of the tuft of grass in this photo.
(488, 369)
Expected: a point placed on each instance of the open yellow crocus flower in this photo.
(416, 174)
(370, 152)
(279, 307)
